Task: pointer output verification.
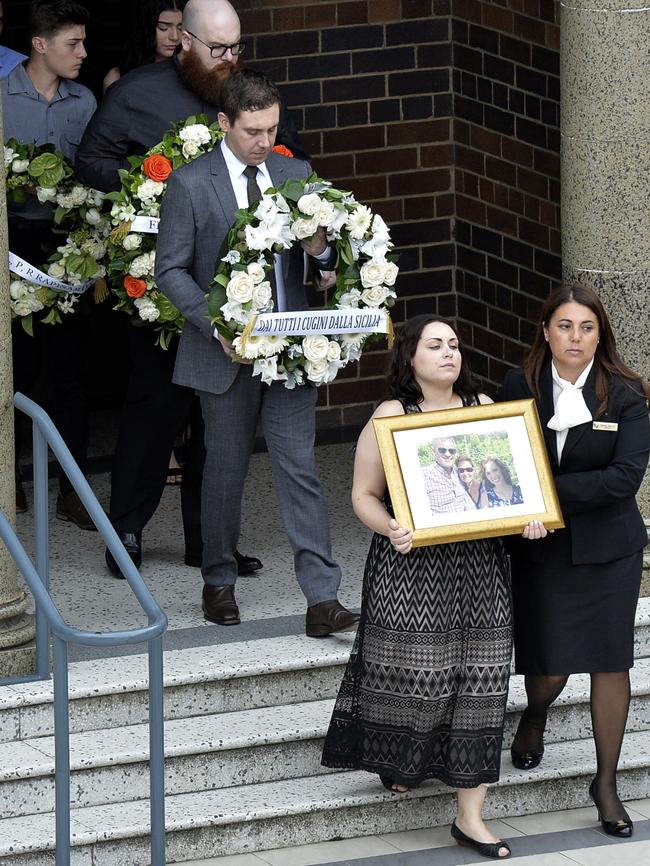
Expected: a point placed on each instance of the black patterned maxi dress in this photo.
(424, 693)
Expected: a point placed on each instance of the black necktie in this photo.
(252, 189)
(254, 194)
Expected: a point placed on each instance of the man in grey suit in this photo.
(196, 215)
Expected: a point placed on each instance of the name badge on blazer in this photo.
(606, 425)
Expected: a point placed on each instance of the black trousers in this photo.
(57, 351)
(154, 413)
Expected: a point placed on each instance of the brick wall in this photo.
(507, 168)
(370, 82)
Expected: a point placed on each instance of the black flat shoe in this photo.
(530, 759)
(132, 542)
(623, 828)
(487, 849)
(388, 783)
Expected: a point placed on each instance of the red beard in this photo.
(206, 83)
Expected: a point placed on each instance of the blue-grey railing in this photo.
(49, 621)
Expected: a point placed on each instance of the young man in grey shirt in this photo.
(42, 103)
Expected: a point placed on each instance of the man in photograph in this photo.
(446, 493)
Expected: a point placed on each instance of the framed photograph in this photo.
(473, 472)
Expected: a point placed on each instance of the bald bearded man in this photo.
(134, 115)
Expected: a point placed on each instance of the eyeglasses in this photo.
(451, 451)
(218, 51)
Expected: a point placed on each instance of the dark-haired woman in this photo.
(425, 690)
(155, 34)
(575, 594)
(465, 469)
(497, 484)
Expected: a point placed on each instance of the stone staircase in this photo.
(244, 731)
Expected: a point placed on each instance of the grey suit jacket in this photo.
(196, 215)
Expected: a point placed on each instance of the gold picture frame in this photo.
(425, 495)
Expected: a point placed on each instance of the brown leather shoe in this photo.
(70, 507)
(328, 617)
(219, 604)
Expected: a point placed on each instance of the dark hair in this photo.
(140, 47)
(401, 381)
(464, 458)
(608, 361)
(47, 17)
(507, 477)
(247, 90)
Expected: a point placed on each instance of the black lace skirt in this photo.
(425, 690)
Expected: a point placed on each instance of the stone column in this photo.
(17, 656)
(605, 80)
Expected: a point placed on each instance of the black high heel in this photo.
(487, 849)
(623, 828)
(531, 759)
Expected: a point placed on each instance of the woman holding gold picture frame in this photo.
(575, 593)
(425, 690)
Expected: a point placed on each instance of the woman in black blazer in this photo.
(575, 592)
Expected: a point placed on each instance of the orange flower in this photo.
(157, 167)
(134, 288)
(282, 150)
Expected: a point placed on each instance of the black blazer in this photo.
(599, 473)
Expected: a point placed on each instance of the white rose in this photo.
(64, 200)
(317, 371)
(10, 155)
(305, 228)
(46, 193)
(333, 351)
(256, 272)
(310, 204)
(374, 296)
(19, 165)
(372, 273)
(18, 289)
(262, 295)
(240, 287)
(132, 242)
(93, 216)
(326, 214)
(190, 149)
(358, 221)
(390, 274)
(56, 271)
(315, 347)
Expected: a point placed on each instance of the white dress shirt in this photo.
(576, 412)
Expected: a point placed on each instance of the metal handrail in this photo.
(49, 620)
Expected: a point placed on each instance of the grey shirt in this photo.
(31, 119)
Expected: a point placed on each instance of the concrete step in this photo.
(268, 815)
(238, 748)
(112, 693)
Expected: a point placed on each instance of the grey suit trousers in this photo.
(287, 419)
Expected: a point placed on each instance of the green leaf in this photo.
(52, 177)
(27, 325)
(292, 190)
(44, 163)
